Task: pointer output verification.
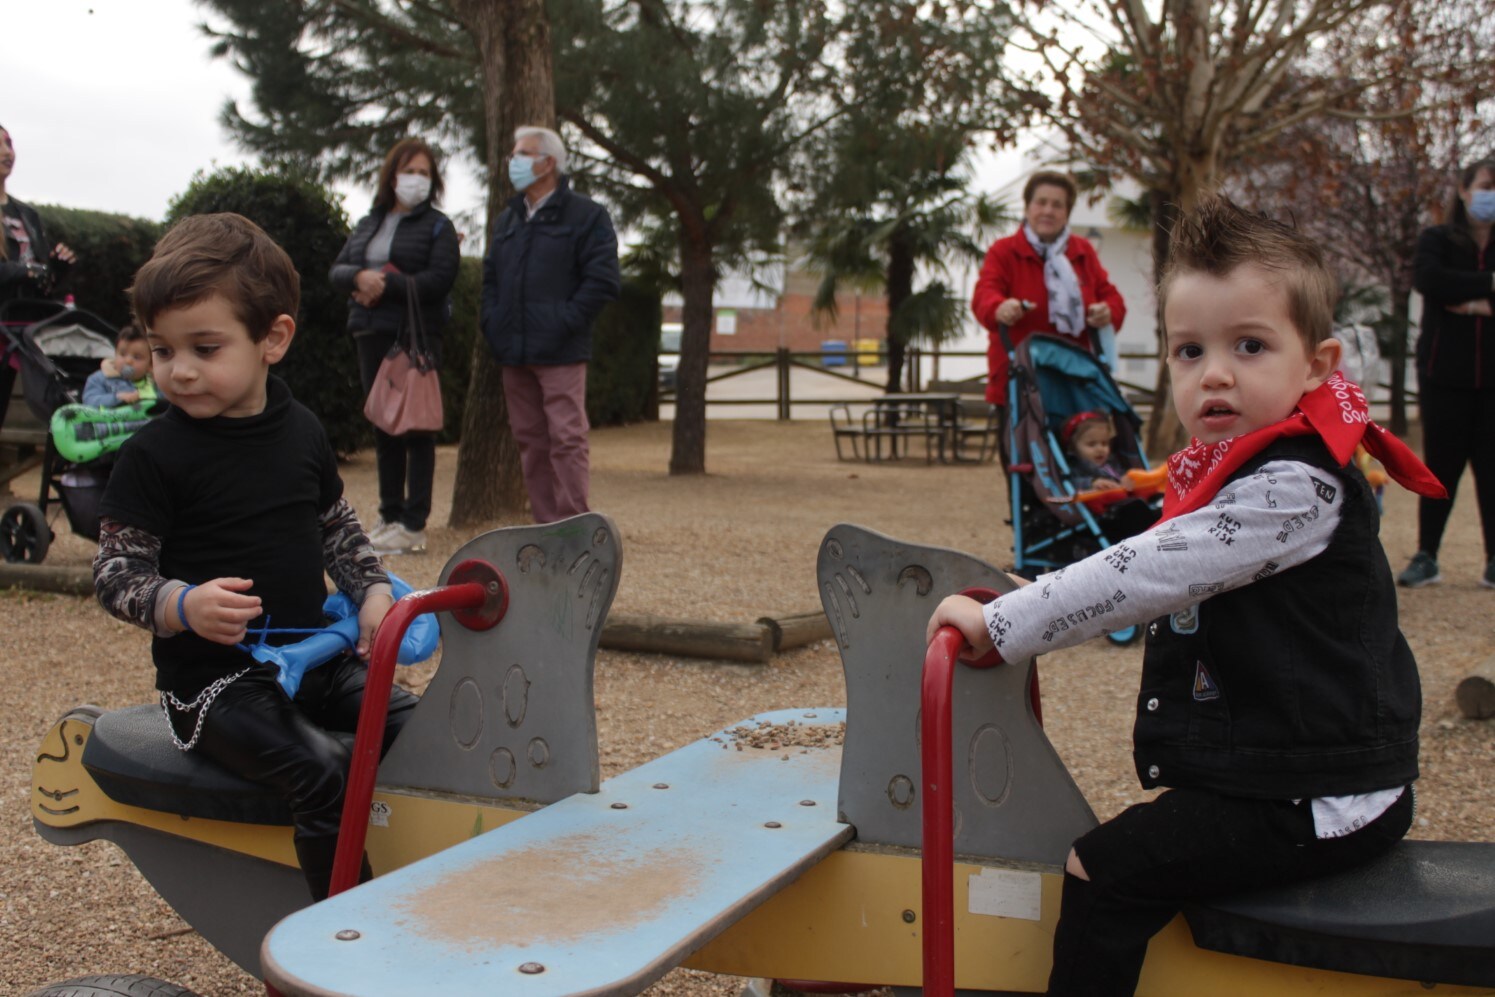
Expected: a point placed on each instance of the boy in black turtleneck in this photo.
(222, 515)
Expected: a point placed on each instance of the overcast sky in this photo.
(113, 105)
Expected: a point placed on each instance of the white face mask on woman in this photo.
(411, 189)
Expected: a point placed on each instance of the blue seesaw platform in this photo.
(600, 893)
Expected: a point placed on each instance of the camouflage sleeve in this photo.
(348, 554)
(127, 577)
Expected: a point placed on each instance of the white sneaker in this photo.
(376, 532)
(400, 540)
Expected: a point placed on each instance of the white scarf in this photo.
(1066, 305)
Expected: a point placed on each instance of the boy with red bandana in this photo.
(1279, 701)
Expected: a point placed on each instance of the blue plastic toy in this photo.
(295, 660)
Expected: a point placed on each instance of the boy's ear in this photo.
(278, 341)
(1324, 361)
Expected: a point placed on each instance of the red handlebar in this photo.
(939, 812)
(936, 732)
(477, 603)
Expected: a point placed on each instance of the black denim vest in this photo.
(1299, 684)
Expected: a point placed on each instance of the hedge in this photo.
(110, 249)
(623, 379)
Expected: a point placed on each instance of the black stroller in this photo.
(1051, 380)
(56, 348)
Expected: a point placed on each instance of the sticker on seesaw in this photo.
(1007, 893)
(379, 813)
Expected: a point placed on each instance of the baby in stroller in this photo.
(125, 378)
(57, 355)
(1086, 438)
(1071, 432)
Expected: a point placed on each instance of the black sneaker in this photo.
(1488, 578)
(1422, 571)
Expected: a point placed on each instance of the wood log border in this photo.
(67, 579)
(754, 642)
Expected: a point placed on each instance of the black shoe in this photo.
(1424, 571)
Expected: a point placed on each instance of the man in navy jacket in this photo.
(552, 264)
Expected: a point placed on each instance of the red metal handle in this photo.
(939, 812)
(936, 732)
(470, 596)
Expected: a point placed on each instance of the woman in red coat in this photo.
(1042, 278)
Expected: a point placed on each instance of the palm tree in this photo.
(896, 207)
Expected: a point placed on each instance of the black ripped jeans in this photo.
(255, 730)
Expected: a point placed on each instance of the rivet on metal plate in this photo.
(807, 803)
(908, 917)
(532, 968)
(620, 806)
(661, 785)
(347, 935)
(773, 823)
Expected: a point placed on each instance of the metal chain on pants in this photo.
(204, 700)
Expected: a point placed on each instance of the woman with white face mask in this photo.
(404, 246)
(1455, 274)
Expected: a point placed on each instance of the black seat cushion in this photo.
(132, 758)
(1424, 911)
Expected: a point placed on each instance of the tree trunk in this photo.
(697, 286)
(1401, 329)
(900, 282)
(1164, 433)
(513, 42)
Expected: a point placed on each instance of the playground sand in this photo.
(735, 544)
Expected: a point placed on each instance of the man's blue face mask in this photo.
(522, 172)
(1482, 205)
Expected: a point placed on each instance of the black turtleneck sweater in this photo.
(231, 497)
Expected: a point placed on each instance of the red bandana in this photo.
(1336, 410)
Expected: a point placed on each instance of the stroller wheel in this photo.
(24, 534)
(1125, 636)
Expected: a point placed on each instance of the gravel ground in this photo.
(736, 544)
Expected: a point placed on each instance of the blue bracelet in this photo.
(181, 608)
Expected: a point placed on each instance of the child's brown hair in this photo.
(1217, 237)
(129, 333)
(223, 254)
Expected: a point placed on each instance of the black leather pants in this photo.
(254, 730)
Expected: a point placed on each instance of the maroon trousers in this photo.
(548, 414)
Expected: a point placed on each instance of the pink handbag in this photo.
(406, 394)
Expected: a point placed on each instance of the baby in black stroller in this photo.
(56, 354)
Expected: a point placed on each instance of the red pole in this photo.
(936, 732)
(371, 716)
(939, 813)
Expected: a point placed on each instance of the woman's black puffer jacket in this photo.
(425, 247)
(1454, 351)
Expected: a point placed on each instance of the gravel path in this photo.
(735, 544)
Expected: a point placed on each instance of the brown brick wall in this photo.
(761, 329)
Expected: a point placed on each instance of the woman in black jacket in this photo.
(1455, 273)
(29, 265)
(403, 246)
